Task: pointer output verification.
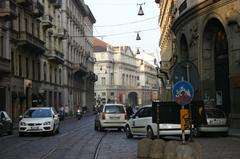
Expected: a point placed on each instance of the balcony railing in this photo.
(47, 21)
(56, 56)
(25, 3)
(80, 69)
(8, 9)
(29, 41)
(38, 9)
(61, 33)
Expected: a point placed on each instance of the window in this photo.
(112, 93)
(20, 65)
(60, 76)
(39, 71)
(2, 45)
(27, 68)
(103, 81)
(33, 69)
(50, 74)
(32, 28)
(26, 24)
(12, 62)
(103, 93)
(45, 71)
(55, 75)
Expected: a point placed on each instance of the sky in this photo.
(118, 22)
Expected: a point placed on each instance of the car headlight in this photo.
(23, 124)
(47, 123)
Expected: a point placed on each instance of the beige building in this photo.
(207, 34)
(122, 77)
(42, 52)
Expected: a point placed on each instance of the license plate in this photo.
(115, 118)
(34, 128)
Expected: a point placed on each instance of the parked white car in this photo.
(39, 119)
(111, 116)
(141, 124)
(216, 123)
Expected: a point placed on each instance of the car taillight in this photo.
(103, 116)
(126, 116)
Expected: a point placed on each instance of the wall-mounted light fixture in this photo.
(140, 11)
(138, 36)
(138, 52)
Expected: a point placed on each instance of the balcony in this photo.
(38, 9)
(25, 3)
(61, 33)
(80, 69)
(47, 21)
(29, 41)
(5, 65)
(58, 4)
(56, 56)
(8, 9)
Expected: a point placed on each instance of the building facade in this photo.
(42, 45)
(207, 34)
(123, 78)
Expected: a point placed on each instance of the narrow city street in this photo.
(77, 139)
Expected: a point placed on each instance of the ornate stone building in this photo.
(46, 57)
(122, 77)
(207, 33)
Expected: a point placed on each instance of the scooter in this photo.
(79, 114)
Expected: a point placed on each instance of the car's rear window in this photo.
(214, 113)
(114, 109)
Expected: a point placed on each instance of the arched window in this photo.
(60, 76)
(45, 71)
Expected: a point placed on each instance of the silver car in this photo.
(111, 116)
(216, 123)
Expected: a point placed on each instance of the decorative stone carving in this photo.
(194, 35)
(233, 17)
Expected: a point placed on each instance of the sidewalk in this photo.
(234, 132)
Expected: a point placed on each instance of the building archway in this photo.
(216, 64)
(133, 98)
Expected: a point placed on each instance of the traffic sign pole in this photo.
(189, 105)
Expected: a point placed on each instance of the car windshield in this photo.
(38, 113)
(114, 109)
(214, 113)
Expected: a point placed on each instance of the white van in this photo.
(141, 124)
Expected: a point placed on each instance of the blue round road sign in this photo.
(183, 92)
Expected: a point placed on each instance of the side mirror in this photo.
(20, 117)
(56, 116)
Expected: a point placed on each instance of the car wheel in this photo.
(95, 126)
(100, 128)
(57, 131)
(150, 134)
(196, 132)
(10, 132)
(53, 132)
(20, 134)
(128, 132)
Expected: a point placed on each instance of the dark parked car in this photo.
(6, 125)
